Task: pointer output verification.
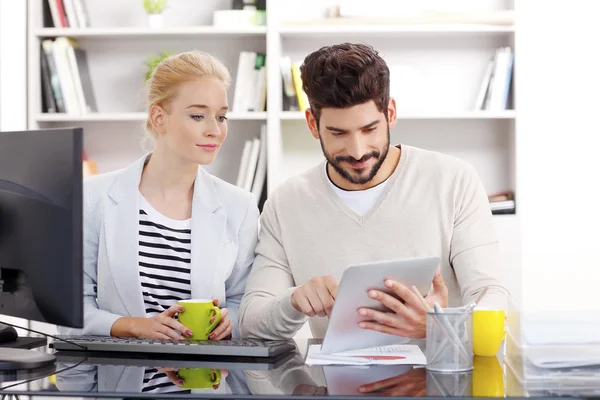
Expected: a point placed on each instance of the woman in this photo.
(163, 229)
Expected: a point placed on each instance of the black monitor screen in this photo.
(41, 225)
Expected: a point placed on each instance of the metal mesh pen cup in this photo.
(449, 341)
(445, 384)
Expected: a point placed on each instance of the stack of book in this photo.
(253, 166)
(89, 166)
(294, 98)
(66, 82)
(251, 83)
(67, 14)
(502, 202)
(495, 86)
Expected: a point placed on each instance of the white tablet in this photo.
(343, 332)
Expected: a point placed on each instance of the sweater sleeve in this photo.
(474, 246)
(266, 311)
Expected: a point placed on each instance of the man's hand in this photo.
(161, 326)
(316, 297)
(406, 319)
(412, 383)
(224, 328)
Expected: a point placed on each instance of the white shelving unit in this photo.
(145, 33)
(436, 69)
(446, 62)
(372, 30)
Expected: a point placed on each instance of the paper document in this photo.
(390, 355)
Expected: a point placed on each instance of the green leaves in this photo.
(155, 6)
(152, 61)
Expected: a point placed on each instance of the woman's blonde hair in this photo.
(176, 70)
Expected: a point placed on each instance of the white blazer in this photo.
(224, 237)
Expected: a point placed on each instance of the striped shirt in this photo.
(164, 268)
(156, 381)
(164, 259)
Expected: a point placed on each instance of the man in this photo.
(368, 201)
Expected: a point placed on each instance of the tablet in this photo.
(343, 332)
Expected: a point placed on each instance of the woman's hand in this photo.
(174, 377)
(161, 326)
(224, 328)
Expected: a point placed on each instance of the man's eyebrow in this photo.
(367, 126)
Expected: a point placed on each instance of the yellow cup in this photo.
(488, 331)
(199, 378)
(196, 316)
(488, 380)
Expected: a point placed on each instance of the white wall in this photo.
(13, 67)
(558, 165)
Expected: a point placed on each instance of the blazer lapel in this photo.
(121, 230)
(208, 231)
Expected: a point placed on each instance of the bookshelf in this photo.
(437, 70)
(144, 32)
(447, 59)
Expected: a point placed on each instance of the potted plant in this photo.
(152, 61)
(154, 9)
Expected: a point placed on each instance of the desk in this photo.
(84, 375)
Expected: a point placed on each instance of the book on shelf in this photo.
(66, 14)
(502, 202)
(253, 165)
(294, 97)
(65, 76)
(496, 82)
(250, 93)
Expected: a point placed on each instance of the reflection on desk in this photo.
(80, 374)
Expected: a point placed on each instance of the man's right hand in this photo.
(316, 297)
(161, 326)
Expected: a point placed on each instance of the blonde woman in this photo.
(163, 229)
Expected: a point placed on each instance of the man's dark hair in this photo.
(345, 75)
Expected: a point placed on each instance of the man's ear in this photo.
(157, 119)
(392, 116)
(312, 123)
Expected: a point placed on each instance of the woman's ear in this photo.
(157, 119)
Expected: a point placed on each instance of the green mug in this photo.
(199, 378)
(197, 315)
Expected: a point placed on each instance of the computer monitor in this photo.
(41, 244)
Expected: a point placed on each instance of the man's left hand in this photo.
(412, 383)
(408, 317)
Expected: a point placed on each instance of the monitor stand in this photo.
(21, 359)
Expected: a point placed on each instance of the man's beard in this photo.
(336, 163)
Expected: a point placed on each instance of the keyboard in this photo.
(172, 361)
(233, 348)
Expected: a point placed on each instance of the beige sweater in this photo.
(433, 204)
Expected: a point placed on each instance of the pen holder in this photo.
(449, 341)
(449, 384)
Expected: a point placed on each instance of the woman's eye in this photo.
(222, 118)
(197, 117)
